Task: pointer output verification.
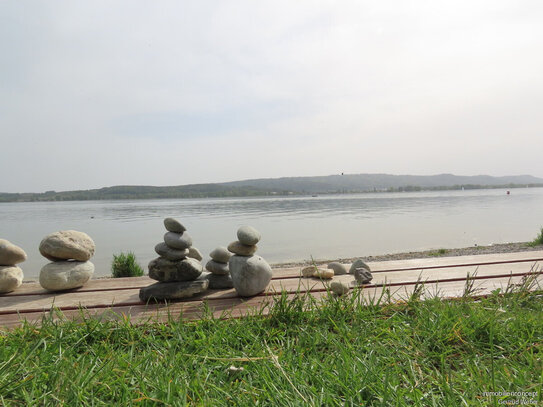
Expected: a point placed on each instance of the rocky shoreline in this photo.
(464, 251)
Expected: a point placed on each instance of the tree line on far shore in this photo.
(217, 191)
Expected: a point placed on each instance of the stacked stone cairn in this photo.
(69, 252)
(218, 272)
(176, 272)
(11, 276)
(251, 274)
(359, 269)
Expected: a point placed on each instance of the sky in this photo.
(101, 93)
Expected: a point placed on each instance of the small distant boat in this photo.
(314, 196)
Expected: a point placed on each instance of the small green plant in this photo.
(538, 240)
(125, 265)
(438, 253)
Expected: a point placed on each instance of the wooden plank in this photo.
(126, 297)
(105, 284)
(238, 307)
(101, 284)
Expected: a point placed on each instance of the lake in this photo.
(293, 228)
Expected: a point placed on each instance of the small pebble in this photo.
(357, 264)
(326, 274)
(362, 275)
(308, 271)
(339, 287)
(338, 268)
(233, 370)
(248, 235)
(220, 254)
(173, 225)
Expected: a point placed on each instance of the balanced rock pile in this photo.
(176, 272)
(251, 274)
(11, 276)
(219, 273)
(69, 252)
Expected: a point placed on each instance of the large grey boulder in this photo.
(10, 255)
(220, 254)
(217, 268)
(358, 264)
(67, 245)
(179, 241)
(248, 235)
(242, 249)
(164, 270)
(173, 225)
(65, 275)
(250, 275)
(11, 277)
(173, 290)
(163, 250)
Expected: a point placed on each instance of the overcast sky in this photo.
(101, 93)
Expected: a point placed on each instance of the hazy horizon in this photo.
(97, 94)
(274, 178)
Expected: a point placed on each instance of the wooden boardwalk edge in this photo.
(243, 307)
(118, 299)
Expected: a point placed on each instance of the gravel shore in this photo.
(464, 251)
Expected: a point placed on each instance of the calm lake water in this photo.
(293, 228)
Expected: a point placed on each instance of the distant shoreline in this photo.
(97, 195)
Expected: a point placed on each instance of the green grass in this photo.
(413, 353)
(538, 240)
(125, 265)
(439, 252)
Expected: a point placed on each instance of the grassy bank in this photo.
(434, 352)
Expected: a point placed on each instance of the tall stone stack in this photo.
(219, 273)
(69, 252)
(177, 273)
(251, 274)
(11, 276)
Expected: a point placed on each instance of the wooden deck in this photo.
(118, 298)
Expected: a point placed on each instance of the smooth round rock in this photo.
(173, 225)
(248, 235)
(217, 281)
(338, 268)
(163, 250)
(10, 255)
(220, 254)
(67, 245)
(11, 277)
(177, 240)
(164, 270)
(250, 275)
(241, 249)
(357, 264)
(195, 253)
(362, 275)
(65, 275)
(339, 287)
(217, 268)
(173, 290)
